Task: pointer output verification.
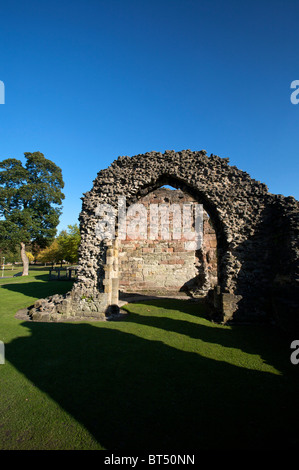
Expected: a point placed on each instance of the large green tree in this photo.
(30, 202)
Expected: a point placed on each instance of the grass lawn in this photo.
(164, 379)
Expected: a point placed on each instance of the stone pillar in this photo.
(115, 278)
(110, 281)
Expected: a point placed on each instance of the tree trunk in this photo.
(25, 260)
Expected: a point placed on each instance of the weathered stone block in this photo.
(229, 305)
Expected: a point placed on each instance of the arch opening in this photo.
(171, 264)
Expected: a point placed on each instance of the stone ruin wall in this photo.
(257, 238)
(166, 265)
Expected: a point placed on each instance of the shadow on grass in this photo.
(267, 341)
(39, 289)
(134, 393)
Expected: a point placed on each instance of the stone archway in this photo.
(246, 217)
(235, 202)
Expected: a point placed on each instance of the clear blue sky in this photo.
(87, 81)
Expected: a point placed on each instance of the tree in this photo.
(29, 256)
(69, 241)
(11, 256)
(63, 248)
(51, 254)
(30, 200)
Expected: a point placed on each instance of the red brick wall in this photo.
(165, 265)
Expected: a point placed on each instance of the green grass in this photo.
(165, 379)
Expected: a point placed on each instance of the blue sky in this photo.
(87, 81)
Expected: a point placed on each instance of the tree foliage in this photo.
(51, 254)
(63, 248)
(30, 200)
(30, 256)
(69, 241)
